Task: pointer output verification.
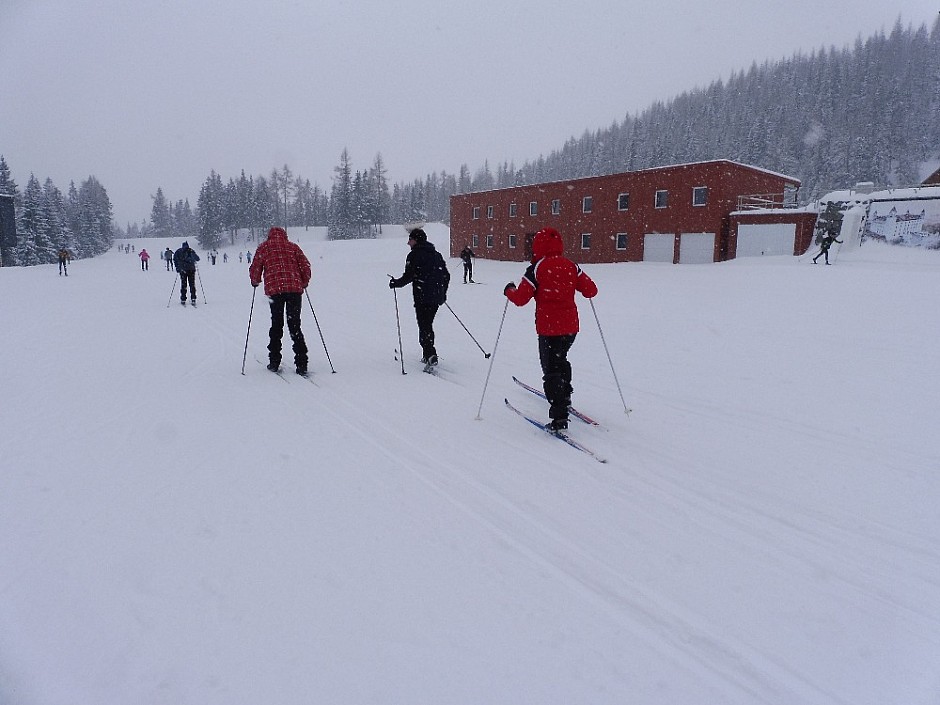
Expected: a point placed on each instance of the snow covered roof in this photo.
(891, 194)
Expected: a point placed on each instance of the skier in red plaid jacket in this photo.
(286, 273)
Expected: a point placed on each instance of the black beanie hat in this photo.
(418, 235)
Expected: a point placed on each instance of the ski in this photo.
(581, 416)
(558, 434)
(279, 373)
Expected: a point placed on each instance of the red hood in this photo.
(547, 242)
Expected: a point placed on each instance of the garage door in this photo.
(761, 240)
(658, 247)
(696, 248)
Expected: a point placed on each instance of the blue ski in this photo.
(557, 434)
(571, 410)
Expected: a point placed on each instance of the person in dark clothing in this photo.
(427, 273)
(466, 254)
(168, 256)
(286, 272)
(184, 259)
(552, 280)
(64, 258)
(825, 245)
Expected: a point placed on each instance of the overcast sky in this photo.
(148, 94)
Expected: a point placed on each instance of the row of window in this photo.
(585, 241)
(660, 200)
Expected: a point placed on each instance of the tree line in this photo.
(829, 118)
(48, 220)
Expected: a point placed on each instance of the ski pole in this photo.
(492, 358)
(604, 341)
(485, 354)
(175, 277)
(319, 331)
(254, 290)
(201, 287)
(398, 323)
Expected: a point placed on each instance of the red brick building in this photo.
(667, 214)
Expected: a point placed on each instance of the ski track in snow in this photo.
(731, 543)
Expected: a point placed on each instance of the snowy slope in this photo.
(766, 530)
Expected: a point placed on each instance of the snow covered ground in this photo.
(766, 529)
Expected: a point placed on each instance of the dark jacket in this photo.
(426, 271)
(465, 254)
(184, 259)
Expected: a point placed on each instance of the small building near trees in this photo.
(676, 214)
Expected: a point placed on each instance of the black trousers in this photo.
(291, 303)
(424, 314)
(188, 277)
(467, 271)
(556, 372)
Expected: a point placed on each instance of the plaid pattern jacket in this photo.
(283, 265)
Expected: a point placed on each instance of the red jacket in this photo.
(552, 279)
(284, 265)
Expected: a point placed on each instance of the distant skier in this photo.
(825, 245)
(286, 272)
(466, 254)
(427, 273)
(168, 256)
(64, 258)
(184, 259)
(552, 279)
(144, 259)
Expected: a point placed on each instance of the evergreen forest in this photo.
(831, 118)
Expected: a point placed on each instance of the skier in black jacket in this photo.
(467, 255)
(184, 259)
(427, 273)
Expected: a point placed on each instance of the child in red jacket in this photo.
(552, 279)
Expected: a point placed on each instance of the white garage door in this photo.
(658, 247)
(696, 248)
(761, 240)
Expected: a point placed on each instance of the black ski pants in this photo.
(467, 271)
(291, 303)
(188, 278)
(556, 373)
(424, 314)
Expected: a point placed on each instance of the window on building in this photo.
(476, 212)
(474, 241)
(587, 204)
(621, 241)
(512, 210)
(623, 201)
(533, 208)
(585, 241)
(556, 206)
(512, 242)
(700, 196)
(489, 211)
(489, 240)
(662, 199)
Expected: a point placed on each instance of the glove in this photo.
(255, 284)
(391, 283)
(510, 285)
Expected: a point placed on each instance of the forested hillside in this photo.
(831, 118)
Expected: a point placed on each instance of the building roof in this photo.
(934, 178)
(791, 179)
